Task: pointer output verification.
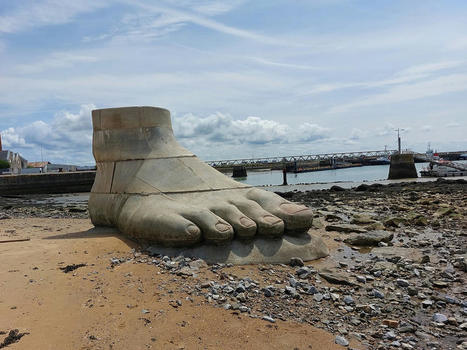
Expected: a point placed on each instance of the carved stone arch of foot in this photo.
(155, 191)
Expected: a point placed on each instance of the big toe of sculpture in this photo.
(154, 190)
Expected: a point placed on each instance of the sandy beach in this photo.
(128, 306)
(71, 286)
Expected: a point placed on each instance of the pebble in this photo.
(361, 279)
(402, 283)
(293, 282)
(311, 290)
(439, 318)
(290, 291)
(269, 319)
(341, 341)
(243, 308)
(303, 272)
(378, 294)
(389, 335)
(241, 297)
(240, 288)
(427, 303)
(391, 323)
(296, 261)
(318, 297)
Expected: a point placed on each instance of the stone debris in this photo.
(269, 319)
(371, 238)
(345, 228)
(341, 341)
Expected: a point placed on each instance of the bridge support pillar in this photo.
(239, 171)
(402, 167)
(284, 176)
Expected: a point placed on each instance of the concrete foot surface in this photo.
(155, 191)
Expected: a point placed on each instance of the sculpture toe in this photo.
(214, 229)
(267, 224)
(243, 226)
(296, 217)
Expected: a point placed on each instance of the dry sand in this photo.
(100, 307)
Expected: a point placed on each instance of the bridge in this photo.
(321, 160)
(268, 162)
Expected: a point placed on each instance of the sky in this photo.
(241, 78)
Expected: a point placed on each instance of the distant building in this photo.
(60, 168)
(17, 163)
(37, 167)
(47, 167)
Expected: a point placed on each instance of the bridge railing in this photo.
(299, 158)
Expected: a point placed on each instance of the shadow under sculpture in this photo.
(155, 191)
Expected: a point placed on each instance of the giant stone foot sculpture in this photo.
(154, 190)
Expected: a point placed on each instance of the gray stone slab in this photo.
(308, 246)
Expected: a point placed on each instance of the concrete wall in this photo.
(402, 167)
(80, 181)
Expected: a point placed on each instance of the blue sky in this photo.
(241, 78)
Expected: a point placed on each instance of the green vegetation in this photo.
(4, 164)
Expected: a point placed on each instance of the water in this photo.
(357, 174)
(318, 180)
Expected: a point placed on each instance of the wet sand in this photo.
(101, 307)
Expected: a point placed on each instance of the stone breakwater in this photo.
(66, 182)
(395, 277)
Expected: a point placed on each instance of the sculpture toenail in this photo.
(192, 230)
(291, 208)
(223, 227)
(272, 220)
(247, 222)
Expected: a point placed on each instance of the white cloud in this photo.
(430, 67)
(67, 137)
(281, 64)
(46, 12)
(357, 134)
(206, 7)
(11, 139)
(401, 93)
(53, 61)
(407, 75)
(183, 91)
(387, 129)
(220, 128)
(156, 18)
